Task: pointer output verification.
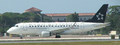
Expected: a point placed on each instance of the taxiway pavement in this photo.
(49, 41)
(65, 38)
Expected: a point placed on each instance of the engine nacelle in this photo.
(46, 34)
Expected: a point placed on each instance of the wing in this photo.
(60, 30)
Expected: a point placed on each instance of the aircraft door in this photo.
(82, 25)
(25, 27)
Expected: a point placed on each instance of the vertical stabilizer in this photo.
(100, 15)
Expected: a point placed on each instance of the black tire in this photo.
(21, 37)
(57, 36)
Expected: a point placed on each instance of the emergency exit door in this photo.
(82, 25)
(25, 27)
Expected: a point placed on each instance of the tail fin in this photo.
(100, 15)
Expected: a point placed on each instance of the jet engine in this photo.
(46, 34)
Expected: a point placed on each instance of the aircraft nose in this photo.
(10, 31)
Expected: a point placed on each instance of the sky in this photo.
(55, 6)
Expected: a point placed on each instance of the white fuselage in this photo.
(38, 27)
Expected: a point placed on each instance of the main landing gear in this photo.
(21, 36)
(57, 36)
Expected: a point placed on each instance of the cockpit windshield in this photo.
(15, 26)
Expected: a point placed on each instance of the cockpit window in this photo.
(16, 26)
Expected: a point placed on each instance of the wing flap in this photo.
(59, 30)
(62, 29)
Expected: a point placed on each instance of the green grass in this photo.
(69, 43)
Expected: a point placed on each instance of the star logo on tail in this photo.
(100, 16)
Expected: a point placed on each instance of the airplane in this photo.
(47, 29)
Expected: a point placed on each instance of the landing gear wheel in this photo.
(57, 36)
(21, 36)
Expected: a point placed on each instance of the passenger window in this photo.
(41, 26)
(29, 26)
(69, 25)
(77, 25)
